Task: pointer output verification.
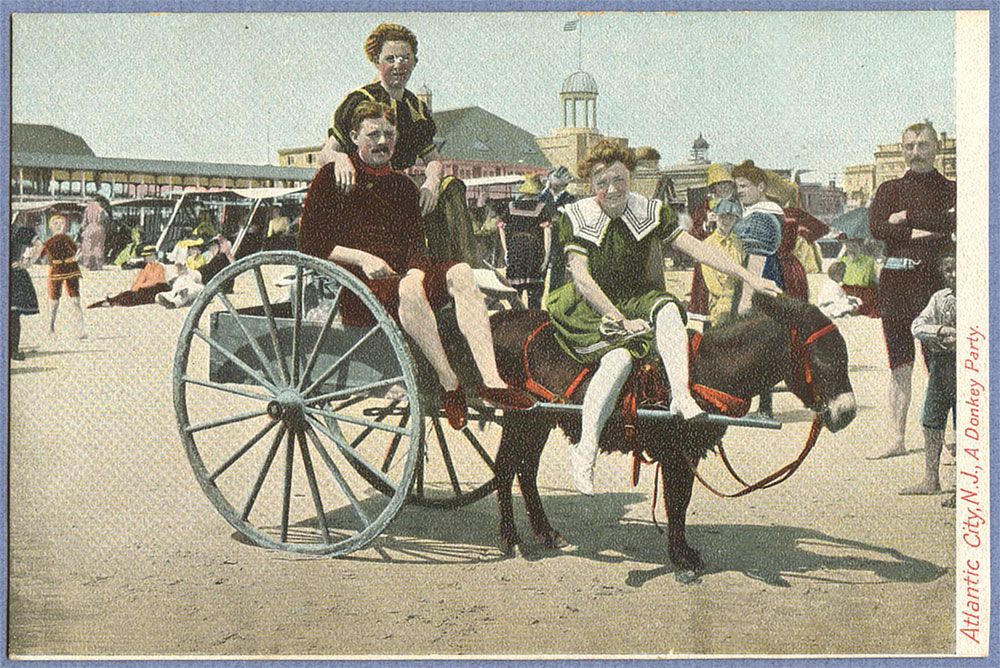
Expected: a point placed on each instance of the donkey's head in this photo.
(817, 359)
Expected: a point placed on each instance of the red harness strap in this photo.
(536, 388)
(799, 353)
(725, 403)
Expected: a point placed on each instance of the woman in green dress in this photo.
(612, 309)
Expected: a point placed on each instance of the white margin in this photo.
(972, 547)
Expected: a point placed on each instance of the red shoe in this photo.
(508, 398)
(453, 404)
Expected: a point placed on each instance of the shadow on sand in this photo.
(598, 530)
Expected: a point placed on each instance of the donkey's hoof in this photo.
(510, 547)
(687, 577)
(553, 540)
(686, 559)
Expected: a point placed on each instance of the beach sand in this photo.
(116, 551)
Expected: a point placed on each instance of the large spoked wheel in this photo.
(273, 394)
(456, 467)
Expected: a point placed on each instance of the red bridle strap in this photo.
(800, 355)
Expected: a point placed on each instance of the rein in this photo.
(799, 353)
(776, 478)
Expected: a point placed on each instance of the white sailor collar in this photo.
(590, 223)
(764, 206)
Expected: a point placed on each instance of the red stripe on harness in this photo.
(536, 388)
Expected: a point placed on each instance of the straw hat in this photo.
(718, 173)
(532, 185)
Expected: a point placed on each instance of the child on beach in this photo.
(23, 299)
(832, 300)
(935, 328)
(64, 272)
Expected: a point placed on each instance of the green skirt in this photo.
(577, 324)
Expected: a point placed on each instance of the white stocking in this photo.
(598, 403)
(672, 345)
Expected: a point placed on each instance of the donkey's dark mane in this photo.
(737, 329)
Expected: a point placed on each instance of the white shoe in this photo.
(581, 466)
(686, 407)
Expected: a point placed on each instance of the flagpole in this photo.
(579, 45)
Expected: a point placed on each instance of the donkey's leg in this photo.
(527, 477)
(508, 456)
(678, 481)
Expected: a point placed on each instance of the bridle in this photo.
(799, 350)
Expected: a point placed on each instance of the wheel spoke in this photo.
(314, 355)
(243, 450)
(339, 478)
(350, 351)
(347, 451)
(479, 448)
(286, 498)
(313, 487)
(271, 325)
(355, 420)
(224, 421)
(350, 402)
(264, 363)
(234, 359)
(368, 430)
(296, 325)
(222, 387)
(252, 497)
(348, 391)
(419, 475)
(439, 432)
(393, 445)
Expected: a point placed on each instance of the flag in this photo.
(570, 26)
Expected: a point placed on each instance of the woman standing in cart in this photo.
(392, 49)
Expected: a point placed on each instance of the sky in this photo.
(798, 90)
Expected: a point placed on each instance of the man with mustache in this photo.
(376, 232)
(915, 216)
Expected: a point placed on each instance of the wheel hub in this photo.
(288, 406)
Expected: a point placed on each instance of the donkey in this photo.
(781, 339)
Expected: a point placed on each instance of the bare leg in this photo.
(598, 403)
(53, 311)
(672, 345)
(474, 322)
(899, 404)
(81, 332)
(931, 484)
(417, 318)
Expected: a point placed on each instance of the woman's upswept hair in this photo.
(388, 32)
(606, 152)
(749, 171)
